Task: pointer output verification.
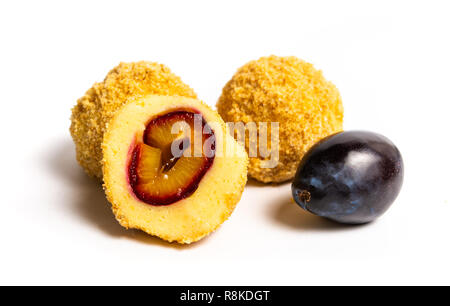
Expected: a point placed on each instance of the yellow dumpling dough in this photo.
(91, 115)
(186, 220)
(289, 91)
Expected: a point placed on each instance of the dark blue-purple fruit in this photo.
(349, 177)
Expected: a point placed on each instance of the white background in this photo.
(390, 60)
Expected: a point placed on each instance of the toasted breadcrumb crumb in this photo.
(289, 91)
(127, 81)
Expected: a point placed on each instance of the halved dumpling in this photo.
(171, 169)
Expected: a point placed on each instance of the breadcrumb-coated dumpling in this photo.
(289, 91)
(196, 194)
(95, 109)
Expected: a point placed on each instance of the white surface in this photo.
(390, 61)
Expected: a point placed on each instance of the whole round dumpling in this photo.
(291, 92)
(171, 169)
(91, 115)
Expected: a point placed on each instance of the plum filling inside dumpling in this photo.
(178, 149)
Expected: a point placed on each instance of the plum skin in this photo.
(349, 177)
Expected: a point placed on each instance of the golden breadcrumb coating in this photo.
(91, 115)
(289, 91)
(189, 219)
